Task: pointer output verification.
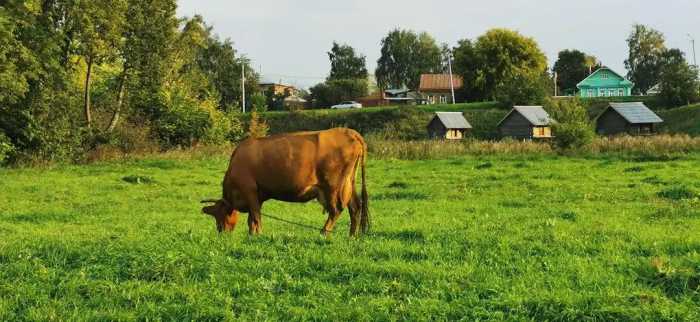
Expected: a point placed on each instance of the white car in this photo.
(348, 104)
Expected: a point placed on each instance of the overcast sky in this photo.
(288, 40)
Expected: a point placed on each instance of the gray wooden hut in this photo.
(448, 125)
(526, 122)
(632, 118)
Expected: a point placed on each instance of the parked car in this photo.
(348, 104)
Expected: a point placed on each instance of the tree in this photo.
(220, 62)
(404, 57)
(503, 65)
(150, 33)
(335, 91)
(98, 27)
(571, 68)
(679, 80)
(646, 48)
(592, 63)
(346, 64)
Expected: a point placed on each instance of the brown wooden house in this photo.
(436, 88)
(632, 118)
(448, 125)
(526, 122)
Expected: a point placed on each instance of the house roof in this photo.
(453, 120)
(396, 91)
(623, 81)
(636, 112)
(432, 82)
(536, 115)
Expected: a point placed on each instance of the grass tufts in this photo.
(677, 193)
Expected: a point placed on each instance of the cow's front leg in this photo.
(254, 216)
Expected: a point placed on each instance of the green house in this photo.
(605, 82)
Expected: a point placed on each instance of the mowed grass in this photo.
(527, 238)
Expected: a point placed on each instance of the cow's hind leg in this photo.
(331, 206)
(354, 214)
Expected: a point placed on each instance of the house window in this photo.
(604, 75)
(621, 92)
(539, 131)
(590, 93)
(612, 92)
(443, 99)
(601, 92)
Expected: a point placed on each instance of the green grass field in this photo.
(500, 238)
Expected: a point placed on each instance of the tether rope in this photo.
(291, 222)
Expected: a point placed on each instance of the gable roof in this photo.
(453, 120)
(635, 112)
(431, 82)
(623, 81)
(536, 115)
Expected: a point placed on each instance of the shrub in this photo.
(258, 102)
(572, 127)
(182, 126)
(257, 127)
(7, 150)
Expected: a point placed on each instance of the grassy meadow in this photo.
(537, 237)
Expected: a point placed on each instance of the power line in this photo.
(294, 76)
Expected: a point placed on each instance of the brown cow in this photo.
(295, 167)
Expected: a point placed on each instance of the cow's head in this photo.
(226, 217)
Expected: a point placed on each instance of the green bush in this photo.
(572, 127)
(258, 102)
(7, 150)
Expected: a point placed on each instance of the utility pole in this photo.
(243, 84)
(556, 76)
(692, 42)
(452, 84)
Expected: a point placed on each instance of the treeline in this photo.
(506, 66)
(75, 74)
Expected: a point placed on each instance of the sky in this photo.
(288, 41)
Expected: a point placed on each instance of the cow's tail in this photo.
(365, 222)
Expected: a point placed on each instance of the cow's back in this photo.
(285, 165)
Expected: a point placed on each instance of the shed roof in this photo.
(453, 120)
(432, 82)
(536, 115)
(636, 112)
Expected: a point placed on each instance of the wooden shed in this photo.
(632, 118)
(526, 122)
(448, 125)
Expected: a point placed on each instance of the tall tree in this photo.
(646, 48)
(571, 68)
(504, 65)
(150, 33)
(346, 64)
(679, 80)
(404, 57)
(223, 66)
(98, 25)
(592, 63)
